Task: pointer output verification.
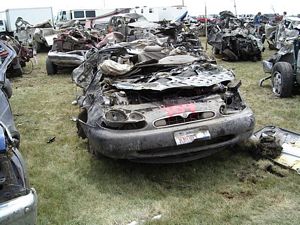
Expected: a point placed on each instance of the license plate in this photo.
(188, 136)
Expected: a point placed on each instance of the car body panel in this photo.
(18, 202)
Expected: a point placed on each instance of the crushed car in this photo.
(284, 67)
(18, 202)
(278, 33)
(233, 40)
(132, 25)
(69, 48)
(169, 108)
(24, 55)
(39, 36)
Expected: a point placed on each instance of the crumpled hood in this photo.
(186, 77)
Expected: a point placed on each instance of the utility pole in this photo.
(235, 8)
(182, 2)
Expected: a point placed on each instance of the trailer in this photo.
(157, 14)
(81, 15)
(9, 17)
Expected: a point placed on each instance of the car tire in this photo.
(17, 72)
(50, 67)
(282, 79)
(37, 46)
(216, 51)
(7, 88)
(230, 55)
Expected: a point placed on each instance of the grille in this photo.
(178, 119)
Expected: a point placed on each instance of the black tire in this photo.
(229, 55)
(37, 46)
(23, 64)
(282, 79)
(7, 88)
(216, 51)
(17, 72)
(50, 67)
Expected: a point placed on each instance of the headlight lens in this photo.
(136, 116)
(116, 116)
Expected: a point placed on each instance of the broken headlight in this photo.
(232, 99)
(116, 116)
(121, 120)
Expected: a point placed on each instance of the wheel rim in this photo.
(277, 83)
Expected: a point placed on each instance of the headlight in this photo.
(119, 119)
(135, 116)
(116, 116)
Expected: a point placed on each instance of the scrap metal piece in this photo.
(288, 141)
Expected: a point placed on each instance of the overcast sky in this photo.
(195, 7)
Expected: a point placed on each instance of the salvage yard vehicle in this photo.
(169, 109)
(24, 54)
(276, 34)
(69, 48)
(40, 36)
(233, 40)
(18, 202)
(131, 25)
(284, 67)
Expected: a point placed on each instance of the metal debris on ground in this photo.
(284, 146)
(51, 139)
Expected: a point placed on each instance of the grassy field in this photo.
(75, 188)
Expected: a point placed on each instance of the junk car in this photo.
(233, 40)
(284, 67)
(68, 49)
(168, 109)
(18, 202)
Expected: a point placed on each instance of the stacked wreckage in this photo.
(150, 94)
(234, 39)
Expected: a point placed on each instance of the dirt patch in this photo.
(257, 171)
(236, 195)
(268, 166)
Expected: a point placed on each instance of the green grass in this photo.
(75, 188)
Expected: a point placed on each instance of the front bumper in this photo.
(67, 59)
(159, 145)
(20, 211)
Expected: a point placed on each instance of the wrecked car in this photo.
(18, 202)
(24, 55)
(132, 25)
(276, 34)
(69, 48)
(284, 67)
(234, 41)
(169, 109)
(38, 36)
